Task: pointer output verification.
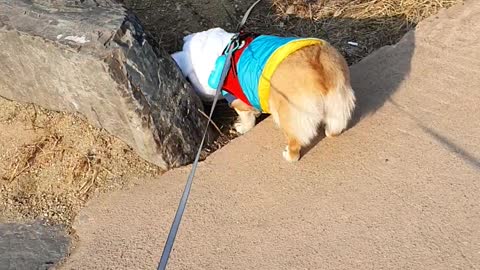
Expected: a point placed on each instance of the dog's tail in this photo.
(339, 98)
(326, 97)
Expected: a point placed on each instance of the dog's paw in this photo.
(289, 156)
(331, 134)
(242, 128)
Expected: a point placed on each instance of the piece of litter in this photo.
(353, 43)
(77, 39)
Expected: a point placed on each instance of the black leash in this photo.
(186, 192)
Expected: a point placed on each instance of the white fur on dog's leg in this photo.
(334, 128)
(241, 128)
(245, 121)
(287, 156)
(330, 134)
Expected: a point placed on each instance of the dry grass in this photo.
(370, 23)
(51, 163)
(412, 11)
(27, 155)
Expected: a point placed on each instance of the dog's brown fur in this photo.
(310, 87)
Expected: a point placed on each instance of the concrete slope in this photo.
(399, 190)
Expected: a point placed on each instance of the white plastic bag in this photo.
(198, 56)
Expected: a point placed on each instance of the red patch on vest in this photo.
(231, 83)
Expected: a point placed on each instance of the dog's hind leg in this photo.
(292, 150)
(298, 127)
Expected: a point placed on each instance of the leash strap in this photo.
(245, 16)
(186, 192)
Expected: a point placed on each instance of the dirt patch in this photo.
(51, 163)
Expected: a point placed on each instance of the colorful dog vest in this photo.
(253, 66)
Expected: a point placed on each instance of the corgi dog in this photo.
(303, 83)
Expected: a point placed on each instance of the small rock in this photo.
(31, 246)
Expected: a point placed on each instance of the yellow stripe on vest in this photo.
(272, 63)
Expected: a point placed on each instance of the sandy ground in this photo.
(51, 163)
(399, 190)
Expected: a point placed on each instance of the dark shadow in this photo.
(452, 147)
(379, 75)
(447, 143)
(374, 79)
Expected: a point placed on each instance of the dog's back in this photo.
(311, 87)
